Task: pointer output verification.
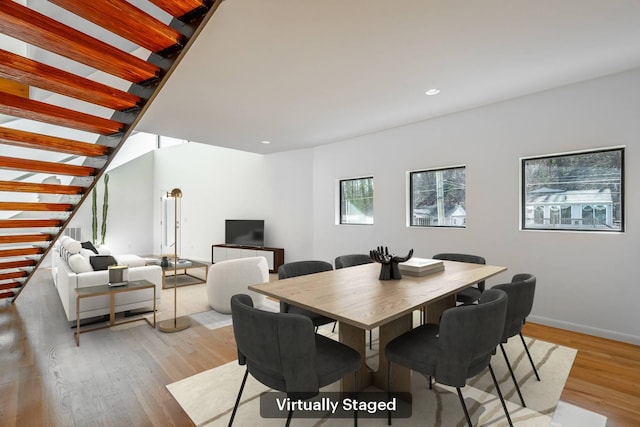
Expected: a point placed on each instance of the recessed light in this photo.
(266, 142)
(432, 91)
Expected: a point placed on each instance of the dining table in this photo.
(359, 301)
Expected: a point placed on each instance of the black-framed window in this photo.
(356, 201)
(579, 191)
(437, 197)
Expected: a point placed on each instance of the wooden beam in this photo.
(35, 207)
(33, 73)
(34, 187)
(177, 8)
(126, 20)
(25, 24)
(20, 138)
(30, 223)
(39, 111)
(45, 167)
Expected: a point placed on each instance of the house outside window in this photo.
(356, 201)
(574, 191)
(437, 197)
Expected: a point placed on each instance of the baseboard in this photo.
(603, 333)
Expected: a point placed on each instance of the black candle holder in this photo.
(389, 269)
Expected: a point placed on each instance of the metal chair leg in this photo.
(504, 406)
(430, 382)
(370, 340)
(388, 390)
(526, 348)
(289, 417)
(334, 327)
(235, 407)
(513, 376)
(464, 407)
(355, 411)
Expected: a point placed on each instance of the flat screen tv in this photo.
(244, 232)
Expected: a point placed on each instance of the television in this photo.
(244, 232)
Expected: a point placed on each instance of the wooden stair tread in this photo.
(30, 223)
(20, 138)
(127, 21)
(16, 252)
(34, 206)
(177, 8)
(45, 167)
(33, 73)
(25, 238)
(39, 30)
(17, 106)
(31, 187)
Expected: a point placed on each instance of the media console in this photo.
(223, 252)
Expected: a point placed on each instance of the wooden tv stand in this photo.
(223, 252)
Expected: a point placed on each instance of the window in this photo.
(574, 191)
(437, 198)
(356, 201)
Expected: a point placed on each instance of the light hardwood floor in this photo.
(118, 378)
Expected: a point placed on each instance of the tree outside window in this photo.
(356, 201)
(438, 198)
(574, 191)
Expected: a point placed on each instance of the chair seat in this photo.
(316, 319)
(468, 295)
(333, 362)
(416, 349)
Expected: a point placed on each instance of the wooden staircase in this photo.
(28, 229)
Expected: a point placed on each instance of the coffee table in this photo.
(183, 270)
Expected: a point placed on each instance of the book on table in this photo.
(421, 266)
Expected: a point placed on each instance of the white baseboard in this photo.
(603, 333)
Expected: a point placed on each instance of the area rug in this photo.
(211, 319)
(208, 397)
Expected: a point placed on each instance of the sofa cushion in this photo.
(72, 246)
(79, 264)
(130, 260)
(102, 262)
(89, 245)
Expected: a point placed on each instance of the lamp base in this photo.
(174, 325)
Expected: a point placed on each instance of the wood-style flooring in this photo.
(118, 378)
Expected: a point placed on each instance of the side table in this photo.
(94, 291)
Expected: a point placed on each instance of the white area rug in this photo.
(208, 397)
(211, 319)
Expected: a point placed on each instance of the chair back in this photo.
(278, 348)
(230, 277)
(520, 293)
(474, 259)
(301, 268)
(468, 336)
(344, 261)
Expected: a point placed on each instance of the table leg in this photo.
(401, 376)
(436, 308)
(355, 338)
(112, 309)
(77, 320)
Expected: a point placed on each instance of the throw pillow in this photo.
(102, 262)
(73, 246)
(89, 245)
(79, 264)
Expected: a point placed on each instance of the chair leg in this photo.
(289, 417)
(370, 340)
(430, 382)
(464, 407)
(388, 390)
(504, 406)
(355, 411)
(334, 327)
(526, 348)
(235, 407)
(513, 376)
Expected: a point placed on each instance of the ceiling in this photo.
(301, 73)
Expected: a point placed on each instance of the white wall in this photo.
(586, 281)
(217, 184)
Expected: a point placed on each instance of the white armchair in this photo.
(227, 278)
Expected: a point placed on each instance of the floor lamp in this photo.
(176, 324)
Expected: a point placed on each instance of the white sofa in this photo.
(71, 273)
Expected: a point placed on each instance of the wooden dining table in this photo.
(360, 301)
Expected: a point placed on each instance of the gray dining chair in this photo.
(471, 294)
(301, 268)
(282, 352)
(459, 348)
(520, 292)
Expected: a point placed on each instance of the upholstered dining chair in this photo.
(282, 352)
(459, 348)
(471, 294)
(301, 268)
(351, 260)
(227, 278)
(520, 293)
